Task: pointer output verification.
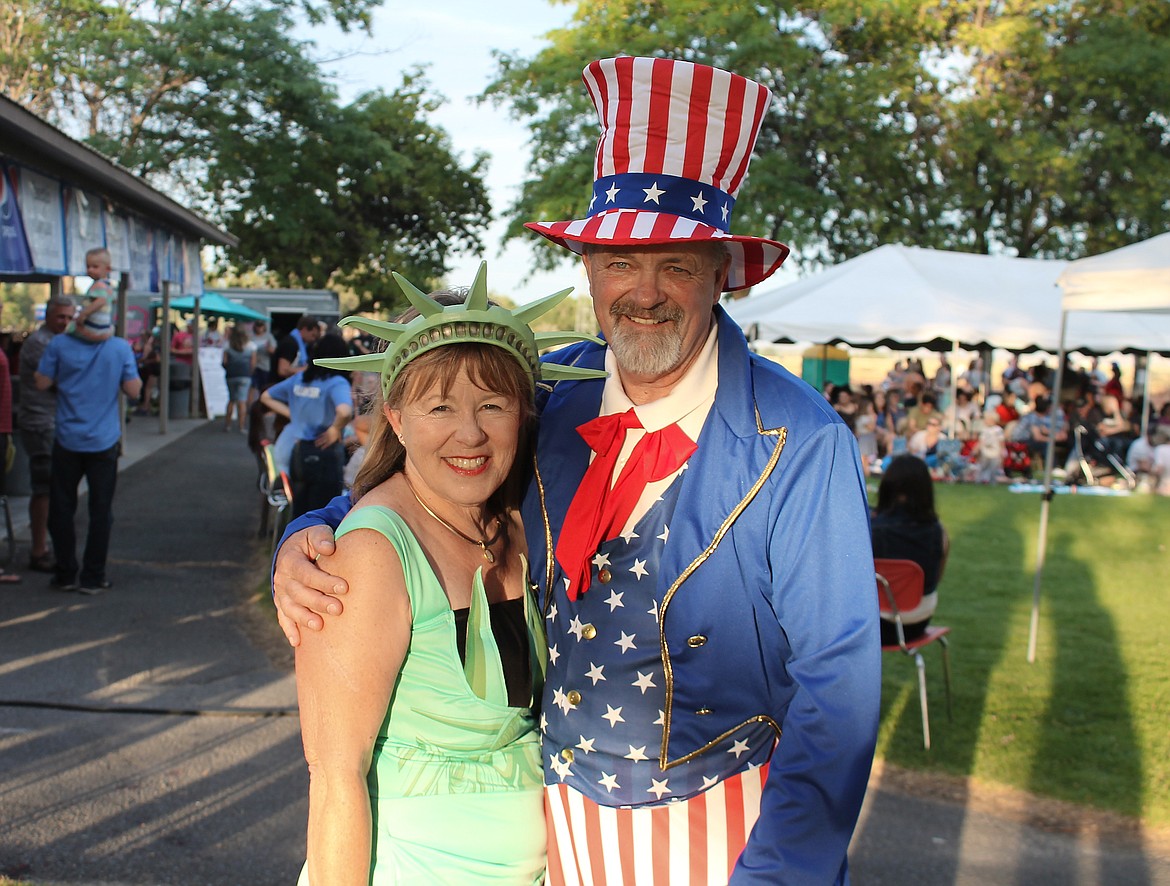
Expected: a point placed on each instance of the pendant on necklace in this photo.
(488, 555)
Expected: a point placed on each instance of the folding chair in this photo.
(900, 585)
(1093, 473)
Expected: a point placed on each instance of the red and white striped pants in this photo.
(694, 841)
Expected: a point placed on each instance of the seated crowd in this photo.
(992, 432)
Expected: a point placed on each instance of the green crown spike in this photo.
(374, 327)
(475, 321)
(422, 302)
(529, 312)
(477, 299)
(556, 339)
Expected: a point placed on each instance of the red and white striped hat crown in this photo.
(676, 139)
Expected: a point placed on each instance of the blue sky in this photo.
(455, 38)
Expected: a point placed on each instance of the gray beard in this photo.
(646, 353)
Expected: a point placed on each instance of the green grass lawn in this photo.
(1089, 721)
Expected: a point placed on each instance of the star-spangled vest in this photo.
(603, 730)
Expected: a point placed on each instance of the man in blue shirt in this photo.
(89, 377)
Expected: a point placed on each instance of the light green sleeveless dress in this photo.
(456, 786)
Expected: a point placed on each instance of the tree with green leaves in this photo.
(217, 103)
(1018, 126)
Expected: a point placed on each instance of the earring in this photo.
(401, 439)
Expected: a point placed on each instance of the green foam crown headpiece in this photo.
(473, 321)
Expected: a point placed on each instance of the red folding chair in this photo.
(900, 586)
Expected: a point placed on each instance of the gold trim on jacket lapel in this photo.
(781, 435)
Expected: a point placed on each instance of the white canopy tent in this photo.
(909, 297)
(1134, 279)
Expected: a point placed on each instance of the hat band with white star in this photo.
(703, 203)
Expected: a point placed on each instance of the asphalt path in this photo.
(148, 736)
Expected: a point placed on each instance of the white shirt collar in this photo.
(688, 402)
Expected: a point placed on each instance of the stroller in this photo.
(1095, 461)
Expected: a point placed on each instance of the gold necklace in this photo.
(481, 543)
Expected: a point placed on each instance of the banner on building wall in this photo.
(83, 228)
(118, 241)
(193, 268)
(44, 220)
(143, 276)
(15, 257)
(46, 227)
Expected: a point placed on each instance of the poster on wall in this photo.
(83, 228)
(44, 222)
(118, 242)
(169, 266)
(14, 255)
(192, 268)
(143, 276)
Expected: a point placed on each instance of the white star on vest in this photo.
(637, 754)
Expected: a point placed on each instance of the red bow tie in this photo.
(597, 512)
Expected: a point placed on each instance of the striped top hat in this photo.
(676, 139)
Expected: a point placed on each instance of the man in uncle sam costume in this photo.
(697, 526)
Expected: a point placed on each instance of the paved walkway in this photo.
(148, 735)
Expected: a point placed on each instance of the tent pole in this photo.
(1046, 498)
(1146, 394)
(954, 389)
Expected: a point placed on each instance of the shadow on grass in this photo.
(1033, 726)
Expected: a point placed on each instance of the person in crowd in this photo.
(239, 359)
(924, 443)
(90, 378)
(264, 346)
(991, 450)
(5, 441)
(966, 414)
(865, 429)
(148, 355)
(1114, 430)
(1160, 466)
(841, 399)
(1014, 378)
(1036, 427)
(183, 343)
(212, 337)
(1139, 458)
(318, 405)
(37, 419)
(885, 407)
(919, 415)
(1040, 380)
(1114, 387)
(905, 526)
(1097, 376)
(974, 378)
(770, 645)
(94, 322)
(292, 354)
(914, 383)
(896, 378)
(426, 687)
(940, 385)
